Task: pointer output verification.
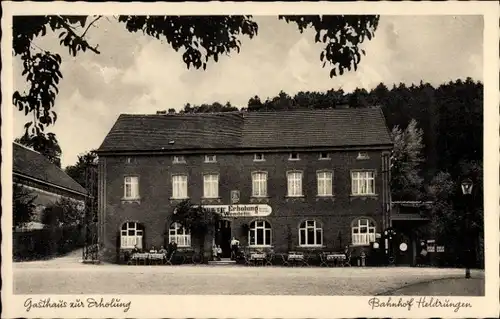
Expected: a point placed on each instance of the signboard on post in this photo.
(235, 197)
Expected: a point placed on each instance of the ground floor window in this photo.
(131, 235)
(259, 233)
(180, 235)
(310, 233)
(363, 231)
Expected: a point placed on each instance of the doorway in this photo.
(223, 237)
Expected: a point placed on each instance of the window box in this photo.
(259, 199)
(131, 200)
(211, 201)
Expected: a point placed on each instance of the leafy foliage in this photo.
(23, 206)
(46, 145)
(64, 212)
(406, 183)
(200, 38)
(195, 218)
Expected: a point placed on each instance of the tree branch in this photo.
(70, 31)
(90, 24)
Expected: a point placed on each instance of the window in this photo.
(129, 160)
(179, 159)
(131, 187)
(131, 235)
(259, 233)
(294, 156)
(325, 183)
(179, 235)
(294, 184)
(363, 183)
(310, 233)
(211, 185)
(259, 184)
(324, 156)
(179, 186)
(258, 157)
(362, 156)
(363, 232)
(210, 159)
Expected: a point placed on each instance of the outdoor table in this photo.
(156, 258)
(332, 259)
(294, 258)
(258, 258)
(137, 258)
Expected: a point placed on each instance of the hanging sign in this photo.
(254, 210)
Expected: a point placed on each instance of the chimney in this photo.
(161, 112)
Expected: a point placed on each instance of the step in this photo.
(222, 262)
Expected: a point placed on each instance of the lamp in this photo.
(467, 186)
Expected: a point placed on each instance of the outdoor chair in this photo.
(347, 260)
(168, 261)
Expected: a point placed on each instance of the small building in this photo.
(34, 172)
(292, 180)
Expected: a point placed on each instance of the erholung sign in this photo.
(256, 210)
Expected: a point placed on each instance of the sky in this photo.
(138, 74)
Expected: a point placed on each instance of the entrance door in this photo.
(223, 237)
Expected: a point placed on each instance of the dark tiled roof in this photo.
(35, 165)
(230, 130)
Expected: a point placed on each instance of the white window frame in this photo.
(259, 184)
(129, 241)
(210, 158)
(179, 186)
(131, 183)
(359, 236)
(257, 159)
(267, 233)
(363, 182)
(315, 226)
(294, 184)
(292, 158)
(211, 185)
(179, 159)
(323, 158)
(179, 234)
(325, 183)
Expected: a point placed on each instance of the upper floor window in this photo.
(131, 187)
(324, 156)
(362, 156)
(129, 160)
(363, 231)
(258, 157)
(179, 159)
(310, 233)
(259, 184)
(294, 156)
(179, 186)
(363, 182)
(210, 159)
(211, 185)
(325, 183)
(294, 183)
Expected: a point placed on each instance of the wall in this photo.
(155, 188)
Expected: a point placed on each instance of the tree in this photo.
(46, 145)
(23, 207)
(64, 212)
(201, 38)
(406, 183)
(199, 221)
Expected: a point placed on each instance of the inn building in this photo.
(292, 180)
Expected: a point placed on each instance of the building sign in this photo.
(440, 249)
(255, 210)
(235, 197)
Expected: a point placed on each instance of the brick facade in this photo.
(155, 206)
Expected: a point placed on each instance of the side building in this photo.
(43, 180)
(303, 180)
